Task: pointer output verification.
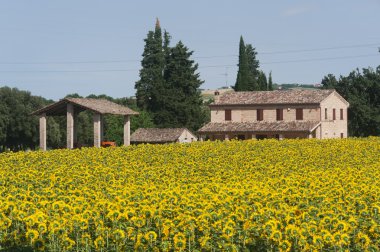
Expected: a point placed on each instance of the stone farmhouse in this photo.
(298, 113)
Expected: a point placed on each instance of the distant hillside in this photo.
(208, 94)
(296, 85)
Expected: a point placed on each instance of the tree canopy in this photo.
(249, 76)
(18, 129)
(169, 83)
(362, 90)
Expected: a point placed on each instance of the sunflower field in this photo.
(290, 195)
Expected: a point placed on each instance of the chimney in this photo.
(216, 96)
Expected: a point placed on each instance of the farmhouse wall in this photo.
(187, 137)
(331, 128)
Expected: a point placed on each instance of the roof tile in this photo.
(277, 126)
(294, 96)
(156, 135)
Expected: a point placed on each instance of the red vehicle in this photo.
(108, 144)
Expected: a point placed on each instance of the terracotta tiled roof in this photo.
(101, 106)
(156, 135)
(277, 126)
(294, 96)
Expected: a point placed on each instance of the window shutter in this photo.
(279, 114)
(341, 114)
(334, 114)
(227, 115)
(260, 114)
(325, 113)
(299, 114)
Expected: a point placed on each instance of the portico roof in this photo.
(100, 106)
(277, 126)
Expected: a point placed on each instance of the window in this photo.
(299, 114)
(279, 114)
(334, 114)
(227, 115)
(261, 137)
(260, 115)
(341, 114)
(325, 113)
(241, 137)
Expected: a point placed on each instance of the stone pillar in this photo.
(310, 135)
(127, 130)
(97, 130)
(280, 136)
(226, 137)
(254, 136)
(75, 131)
(70, 126)
(43, 132)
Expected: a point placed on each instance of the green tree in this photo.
(18, 129)
(262, 81)
(4, 121)
(270, 82)
(168, 85)
(243, 75)
(362, 91)
(253, 66)
(248, 76)
(182, 107)
(329, 81)
(150, 85)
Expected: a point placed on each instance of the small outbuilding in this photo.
(161, 136)
(70, 107)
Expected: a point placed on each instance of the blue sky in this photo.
(53, 48)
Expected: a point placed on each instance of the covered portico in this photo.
(71, 107)
(259, 130)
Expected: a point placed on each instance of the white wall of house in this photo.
(187, 137)
(217, 114)
(331, 128)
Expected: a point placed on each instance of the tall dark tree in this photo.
(151, 81)
(182, 107)
(262, 81)
(270, 82)
(248, 71)
(168, 85)
(243, 75)
(253, 66)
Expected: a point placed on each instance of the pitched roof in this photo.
(101, 106)
(293, 96)
(156, 135)
(277, 126)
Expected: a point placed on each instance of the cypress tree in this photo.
(248, 71)
(262, 81)
(242, 80)
(150, 85)
(270, 83)
(253, 66)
